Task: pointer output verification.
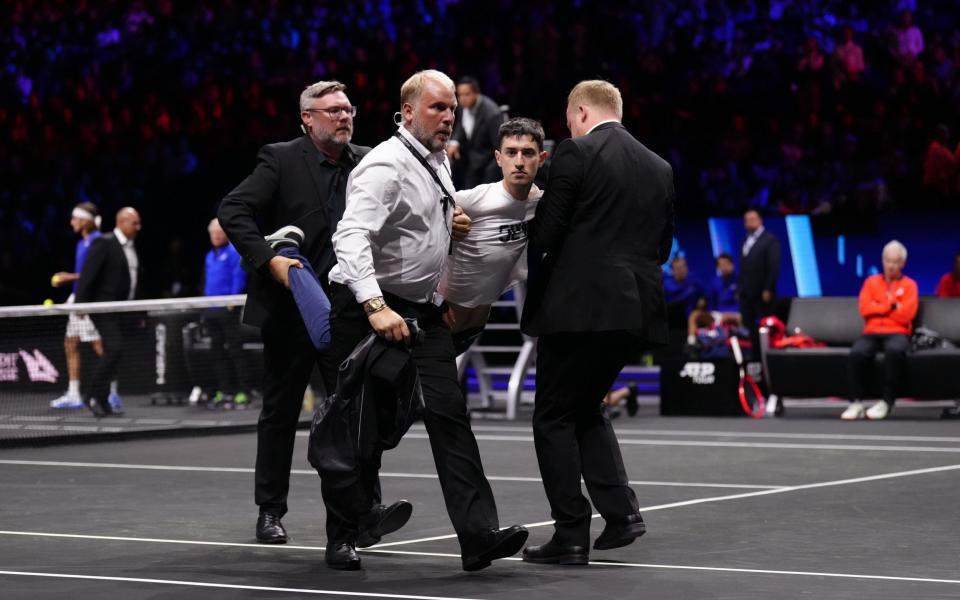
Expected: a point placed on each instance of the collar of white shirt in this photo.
(601, 123)
(120, 237)
(435, 158)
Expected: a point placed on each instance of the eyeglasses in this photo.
(334, 112)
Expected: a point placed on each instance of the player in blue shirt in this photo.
(224, 275)
(681, 287)
(723, 289)
(85, 222)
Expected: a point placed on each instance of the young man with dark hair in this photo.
(490, 259)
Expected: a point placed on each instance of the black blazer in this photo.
(476, 152)
(606, 225)
(760, 268)
(105, 276)
(288, 186)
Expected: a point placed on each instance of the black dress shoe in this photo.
(553, 553)
(495, 544)
(620, 533)
(343, 557)
(384, 520)
(96, 408)
(270, 530)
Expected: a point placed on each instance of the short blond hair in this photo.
(317, 90)
(599, 94)
(412, 88)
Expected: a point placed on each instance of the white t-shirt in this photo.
(492, 258)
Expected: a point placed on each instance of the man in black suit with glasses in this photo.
(296, 194)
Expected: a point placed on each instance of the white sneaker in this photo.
(854, 412)
(291, 235)
(878, 411)
(67, 401)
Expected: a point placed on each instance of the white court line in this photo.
(778, 572)
(49, 463)
(781, 490)
(229, 586)
(710, 444)
(746, 434)
(446, 555)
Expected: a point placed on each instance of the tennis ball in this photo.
(55, 280)
(48, 302)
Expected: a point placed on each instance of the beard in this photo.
(428, 138)
(339, 137)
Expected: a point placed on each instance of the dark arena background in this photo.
(834, 123)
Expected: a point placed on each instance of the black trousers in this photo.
(288, 361)
(466, 492)
(752, 309)
(862, 354)
(111, 328)
(223, 327)
(572, 435)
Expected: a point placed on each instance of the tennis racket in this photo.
(751, 399)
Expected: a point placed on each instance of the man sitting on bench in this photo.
(888, 304)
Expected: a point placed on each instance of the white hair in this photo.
(213, 224)
(896, 248)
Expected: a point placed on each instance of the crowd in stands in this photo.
(787, 106)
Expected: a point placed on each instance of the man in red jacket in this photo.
(949, 286)
(888, 304)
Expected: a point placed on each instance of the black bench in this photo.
(836, 321)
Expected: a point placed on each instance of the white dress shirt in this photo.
(133, 263)
(469, 119)
(394, 235)
(752, 239)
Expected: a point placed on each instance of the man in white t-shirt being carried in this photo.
(492, 258)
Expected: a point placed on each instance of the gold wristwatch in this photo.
(374, 305)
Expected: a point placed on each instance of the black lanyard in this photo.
(446, 198)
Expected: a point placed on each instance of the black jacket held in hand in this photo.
(292, 184)
(378, 398)
(604, 226)
(106, 274)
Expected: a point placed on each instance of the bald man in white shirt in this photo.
(391, 246)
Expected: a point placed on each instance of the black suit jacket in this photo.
(290, 185)
(760, 268)
(105, 276)
(476, 152)
(606, 225)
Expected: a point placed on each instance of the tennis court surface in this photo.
(799, 507)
